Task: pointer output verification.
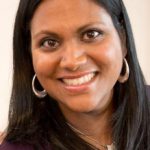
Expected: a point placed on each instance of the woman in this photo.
(89, 91)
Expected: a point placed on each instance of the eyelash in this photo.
(54, 43)
(93, 36)
(88, 36)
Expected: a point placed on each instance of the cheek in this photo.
(44, 63)
(108, 56)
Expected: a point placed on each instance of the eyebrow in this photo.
(45, 32)
(54, 34)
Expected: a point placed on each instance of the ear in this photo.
(123, 42)
(124, 50)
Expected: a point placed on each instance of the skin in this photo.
(83, 39)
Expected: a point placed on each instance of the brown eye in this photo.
(50, 44)
(91, 35)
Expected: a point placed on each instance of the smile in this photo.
(80, 80)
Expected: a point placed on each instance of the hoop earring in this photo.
(39, 94)
(124, 78)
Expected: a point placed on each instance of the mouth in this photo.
(77, 81)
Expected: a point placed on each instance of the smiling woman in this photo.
(77, 81)
(85, 54)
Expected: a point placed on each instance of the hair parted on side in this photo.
(40, 122)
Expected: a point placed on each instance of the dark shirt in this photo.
(8, 146)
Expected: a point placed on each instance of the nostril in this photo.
(73, 63)
(70, 64)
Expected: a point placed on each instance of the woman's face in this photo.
(77, 53)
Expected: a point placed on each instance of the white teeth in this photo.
(79, 81)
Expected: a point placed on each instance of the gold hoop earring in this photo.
(124, 78)
(39, 94)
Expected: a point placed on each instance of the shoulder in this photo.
(9, 146)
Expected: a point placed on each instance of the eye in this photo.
(91, 35)
(50, 44)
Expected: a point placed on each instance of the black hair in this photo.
(40, 122)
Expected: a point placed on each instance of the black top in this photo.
(8, 146)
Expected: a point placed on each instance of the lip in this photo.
(78, 89)
(75, 75)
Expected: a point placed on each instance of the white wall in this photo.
(7, 14)
(140, 17)
(139, 12)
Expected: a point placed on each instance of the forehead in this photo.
(54, 13)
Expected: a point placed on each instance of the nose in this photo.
(73, 58)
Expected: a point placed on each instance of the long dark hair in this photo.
(40, 122)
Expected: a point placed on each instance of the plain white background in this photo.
(140, 19)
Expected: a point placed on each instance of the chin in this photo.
(82, 108)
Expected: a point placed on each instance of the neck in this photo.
(95, 125)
